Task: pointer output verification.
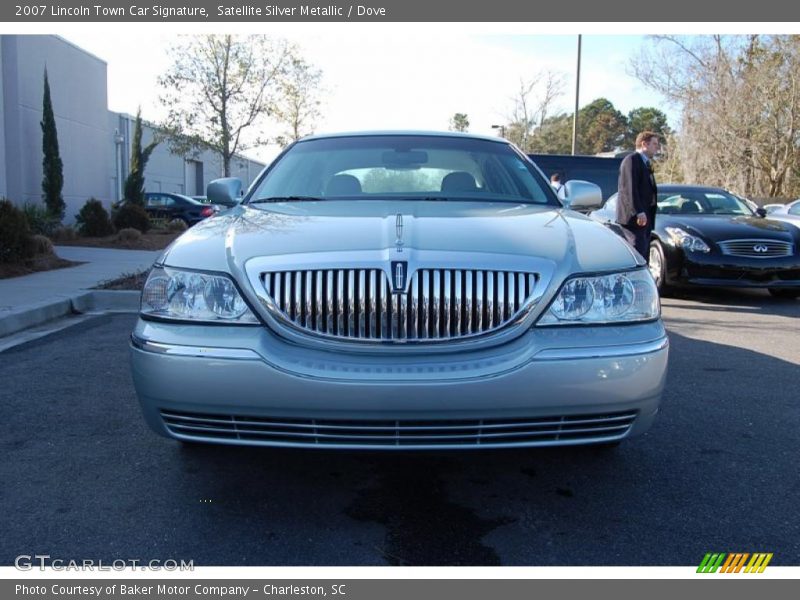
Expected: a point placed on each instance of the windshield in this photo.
(404, 167)
(698, 202)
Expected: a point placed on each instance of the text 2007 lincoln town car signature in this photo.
(400, 291)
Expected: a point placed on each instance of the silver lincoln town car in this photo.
(400, 291)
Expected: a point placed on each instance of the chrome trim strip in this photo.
(602, 351)
(194, 351)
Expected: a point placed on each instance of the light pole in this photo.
(119, 140)
(577, 90)
(502, 129)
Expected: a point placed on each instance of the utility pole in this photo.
(577, 93)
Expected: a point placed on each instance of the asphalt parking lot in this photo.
(83, 478)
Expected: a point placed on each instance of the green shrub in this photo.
(93, 220)
(129, 234)
(42, 245)
(65, 233)
(177, 225)
(131, 216)
(15, 237)
(40, 220)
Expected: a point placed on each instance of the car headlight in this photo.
(614, 298)
(686, 240)
(192, 296)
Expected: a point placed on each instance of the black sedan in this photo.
(705, 236)
(169, 206)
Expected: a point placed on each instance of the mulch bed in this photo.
(43, 262)
(149, 241)
(128, 281)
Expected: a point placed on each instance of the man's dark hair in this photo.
(645, 136)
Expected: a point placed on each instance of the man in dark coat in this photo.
(636, 203)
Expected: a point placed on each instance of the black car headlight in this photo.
(687, 241)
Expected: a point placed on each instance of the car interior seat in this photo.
(343, 185)
(459, 181)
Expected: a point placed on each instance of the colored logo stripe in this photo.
(711, 563)
(734, 562)
(758, 563)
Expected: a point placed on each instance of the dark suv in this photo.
(596, 169)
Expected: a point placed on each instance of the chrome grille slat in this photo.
(385, 307)
(351, 304)
(436, 312)
(328, 294)
(413, 301)
(318, 323)
(438, 304)
(310, 432)
(746, 248)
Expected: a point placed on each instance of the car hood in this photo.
(723, 227)
(570, 240)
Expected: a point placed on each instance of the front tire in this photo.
(657, 264)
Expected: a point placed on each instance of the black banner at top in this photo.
(276, 11)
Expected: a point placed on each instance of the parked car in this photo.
(788, 213)
(706, 236)
(400, 291)
(600, 170)
(773, 208)
(169, 206)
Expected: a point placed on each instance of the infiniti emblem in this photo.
(398, 225)
(760, 248)
(399, 275)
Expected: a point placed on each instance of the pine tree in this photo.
(52, 167)
(134, 184)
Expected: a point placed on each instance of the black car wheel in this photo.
(787, 293)
(658, 266)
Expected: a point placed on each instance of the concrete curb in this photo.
(101, 301)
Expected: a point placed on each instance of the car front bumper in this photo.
(548, 387)
(713, 269)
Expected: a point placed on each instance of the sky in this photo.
(402, 77)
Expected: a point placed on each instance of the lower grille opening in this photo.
(399, 433)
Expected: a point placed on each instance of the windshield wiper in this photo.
(286, 199)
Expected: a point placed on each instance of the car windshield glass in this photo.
(698, 202)
(406, 167)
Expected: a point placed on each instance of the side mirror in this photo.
(582, 196)
(761, 212)
(226, 191)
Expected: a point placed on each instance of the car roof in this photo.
(684, 187)
(454, 134)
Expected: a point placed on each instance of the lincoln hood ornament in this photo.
(398, 225)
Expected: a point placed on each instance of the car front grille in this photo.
(409, 434)
(756, 248)
(440, 304)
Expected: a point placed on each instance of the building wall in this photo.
(3, 179)
(167, 172)
(94, 143)
(78, 88)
